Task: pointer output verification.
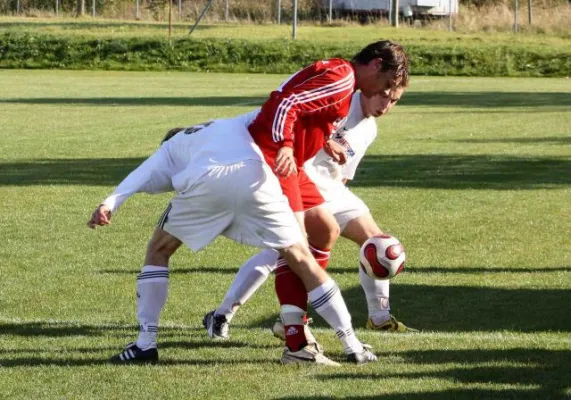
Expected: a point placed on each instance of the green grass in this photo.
(358, 34)
(473, 175)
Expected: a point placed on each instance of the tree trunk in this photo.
(80, 10)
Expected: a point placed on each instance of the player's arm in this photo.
(152, 176)
(323, 88)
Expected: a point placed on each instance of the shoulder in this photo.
(335, 66)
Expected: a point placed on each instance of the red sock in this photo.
(320, 255)
(290, 291)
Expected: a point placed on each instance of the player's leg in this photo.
(152, 290)
(326, 299)
(358, 230)
(266, 220)
(248, 280)
(322, 230)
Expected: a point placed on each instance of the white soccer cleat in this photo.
(310, 354)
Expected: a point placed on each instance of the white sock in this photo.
(152, 289)
(248, 280)
(377, 294)
(327, 301)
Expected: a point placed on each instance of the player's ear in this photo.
(377, 63)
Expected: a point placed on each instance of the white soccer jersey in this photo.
(355, 136)
(182, 160)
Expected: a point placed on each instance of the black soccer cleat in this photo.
(364, 357)
(133, 354)
(216, 325)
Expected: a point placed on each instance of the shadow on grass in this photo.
(486, 99)
(143, 101)
(533, 100)
(457, 270)
(555, 140)
(443, 171)
(550, 370)
(78, 362)
(60, 329)
(73, 356)
(194, 270)
(469, 308)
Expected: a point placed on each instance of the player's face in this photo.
(380, 104)
(374, 82)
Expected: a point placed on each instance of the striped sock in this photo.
(152, 290)
(327, 301)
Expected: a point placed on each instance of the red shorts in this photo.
(301, 192)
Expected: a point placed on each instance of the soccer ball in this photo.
(382, 257)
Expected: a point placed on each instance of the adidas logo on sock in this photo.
(291, 331)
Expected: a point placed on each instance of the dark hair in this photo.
(393, 55)
(171, 133)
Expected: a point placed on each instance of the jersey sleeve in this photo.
(322, 87)
(349, 169)
(152, 176)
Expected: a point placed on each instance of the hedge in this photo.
(25, 50)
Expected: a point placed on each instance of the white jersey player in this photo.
(351, 213)
(202, 165)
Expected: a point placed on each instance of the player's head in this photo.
(380, 104)
(380, 67)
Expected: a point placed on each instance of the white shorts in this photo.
(345, 205)
(242, 201)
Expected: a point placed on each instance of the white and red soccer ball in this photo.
(382, 257)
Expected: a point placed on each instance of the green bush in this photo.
(24, 50)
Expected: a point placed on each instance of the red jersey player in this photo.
(292, 126)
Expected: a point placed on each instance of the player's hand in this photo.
(336, 151)
(285, 162)
(101, 216)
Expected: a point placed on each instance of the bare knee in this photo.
(161, 247)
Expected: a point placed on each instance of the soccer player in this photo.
(293, 125)
(202, 165)
(351, 213)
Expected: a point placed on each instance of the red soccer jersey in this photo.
(305, 109)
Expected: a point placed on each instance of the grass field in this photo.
(473, 175)
(322, 34)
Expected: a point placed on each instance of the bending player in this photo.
(351, 213)
(201, 168)
(292, 126)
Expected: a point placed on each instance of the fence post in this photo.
(57, 8)
(529, 11)
(279, 12)
(294, 22)
(395, 13)
(330, 11)
(137, 10)
(515, 15)
(180, 10)
(92, 8)
(170, 19)
(450, 16)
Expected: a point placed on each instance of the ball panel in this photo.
(393, 252)
(378, 269)
(382, 257)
